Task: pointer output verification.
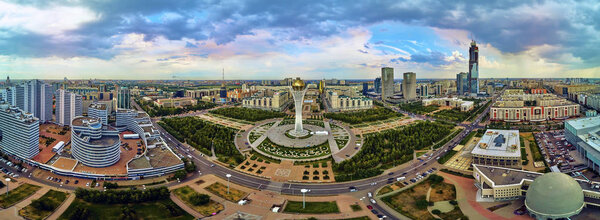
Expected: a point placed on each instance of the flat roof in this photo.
(502, 143)
(100, 106)
(105, 140)
(581, 123)
(79, 121)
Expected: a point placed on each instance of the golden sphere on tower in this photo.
(298, 85)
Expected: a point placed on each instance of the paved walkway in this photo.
(185, 207)
(13, 211)
(62, 208)
(332, 144)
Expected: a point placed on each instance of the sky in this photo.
(151, 39)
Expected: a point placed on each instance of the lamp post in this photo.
(303, 191)
(7, 181)
(228, 176)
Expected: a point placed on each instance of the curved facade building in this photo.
(92, 144)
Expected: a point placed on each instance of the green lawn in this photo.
(446, 157)
(17, 194)
(184, 193)
(46, 205)
(164, 209)
(220, 190)
(311, 207)
(467, 138)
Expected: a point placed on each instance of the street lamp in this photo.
(7, 181)
(228, 176)
(303, 191)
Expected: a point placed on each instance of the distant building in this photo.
(123, 98)
(498, 148)
(450, 102)
(424, 90)
(198, 94)
(68, 106)
(387, 82)
(268, 99)
(175, 102)
(365, 88)
(377, 85)
(322, 86)
(347, 100)
(473, 76)
(461, 83)
(409, 86)
(33, 97)
(515, 105)
(19, 132)
(92, 144)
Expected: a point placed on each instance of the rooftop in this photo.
(581, 123)
(84, 121)
(100, 106)
(504, 143)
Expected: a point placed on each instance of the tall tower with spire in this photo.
(473, 77)
(223, 91)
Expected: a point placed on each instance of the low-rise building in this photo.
(346, 99)
(175, 102)
(268, 99)
(584, 134)
(92, 144)
(498, 148)
(450, 102)
(515, 106)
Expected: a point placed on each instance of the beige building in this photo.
(498, 148)
(347, 99)
(268, 99)
(515, 105)
(199, 93)
(175, 102)
(450, 102)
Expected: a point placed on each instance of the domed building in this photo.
(554, 196)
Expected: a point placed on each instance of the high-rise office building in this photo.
(409, 86)
(123, 98)
(377, 85)
(68, 106)
(387, 82)
(424, 90)
(365, 88)
(461, 83)
(34, 97)
(473, 68)
(19, 132)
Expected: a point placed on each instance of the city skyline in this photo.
(255, 40)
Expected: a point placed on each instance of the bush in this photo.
(109, 185)
(435, 179)
(180, 174)
(79, 213)
(198, 199)
(122, 196)
(453, 202)
(436, 211)
(421, 204)
(42, 204)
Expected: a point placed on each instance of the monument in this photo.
(298, 89)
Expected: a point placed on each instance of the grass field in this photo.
(164, 209)
(184, 194)
(52, 198)
(17, 194)
(219, 189)
(311, 207)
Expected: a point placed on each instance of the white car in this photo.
(373, 201)
(87, 184)
(370, 195)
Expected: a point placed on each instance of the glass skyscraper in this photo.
(473, 68)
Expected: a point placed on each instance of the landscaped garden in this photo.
(199, 202)
(413, 202)
(44, 206)
(204, 135)
(17, 194)
(248, 114)
(152, 203)
(418, 108)
(387, 148)
(270, 148)
(219, 189)
(311, 207)
(154, 111)
(360, 116)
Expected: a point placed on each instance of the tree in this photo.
(199, 199)
(180, 174)
(421, 204)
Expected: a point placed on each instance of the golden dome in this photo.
(298, 84)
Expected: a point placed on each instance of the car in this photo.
(404, 174)
(373, 201)
(374, 211)
(97, 184)
(391, 173)
(400, 178)
(370, 194)
(390, 179)
(352, 189)
(413, 180)
(76, 181)
(67, 182)
(370, 207)
(87, 184)
(433, 168)
(212, 165)
(405, 183)
(380, 216)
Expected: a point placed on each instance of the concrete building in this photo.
(387, 82)
(461, 83)
(450, 102)
(424, 90)
(409, 86)
(365, 88)
(584, 134)
(32, 96)
(68, 106)
(123, 98)
(547, 195)
(377, 85)
(175, 102)
(347, 100)
(498, 148)
(267, 99)
(92, 144)
(138, 122)
(198, 94)
(19, 132)
(99, 110)
(515, 105)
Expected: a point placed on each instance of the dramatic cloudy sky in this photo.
(153, 39)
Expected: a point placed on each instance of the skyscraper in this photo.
(365, 88)
(34, 97)
(377, 85)
(473, 69)
(387, 82)
(424, 90)
(68, 106)
(223, 91)
(19, 132)
(123, 98)
(461, 83)
(409, 86)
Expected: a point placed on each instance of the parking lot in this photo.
(557, 151)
